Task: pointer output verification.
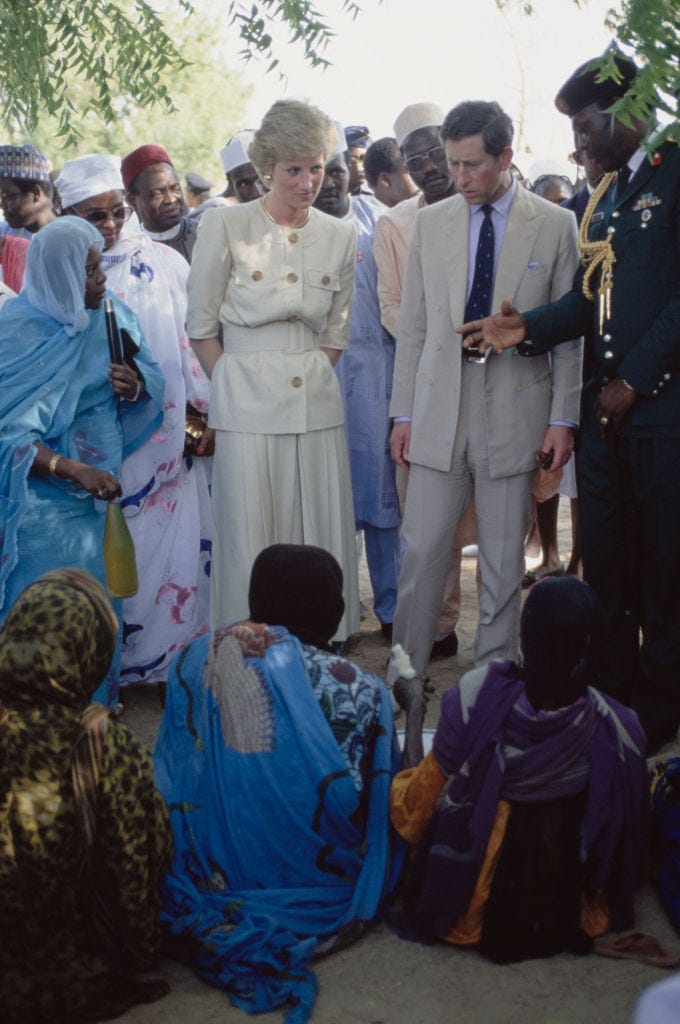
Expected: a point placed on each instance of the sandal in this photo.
(636, 946)
(532, 576)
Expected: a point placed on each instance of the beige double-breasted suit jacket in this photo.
(521, 396)
(505, 409)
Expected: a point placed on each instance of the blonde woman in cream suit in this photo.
(277, 276)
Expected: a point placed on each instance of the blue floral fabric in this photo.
(350, 702)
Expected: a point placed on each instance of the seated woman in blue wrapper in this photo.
(68, 416)
(275, 758)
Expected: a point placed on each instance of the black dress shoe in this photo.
(386, 630)
(444, 648)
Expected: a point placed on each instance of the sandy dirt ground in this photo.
(384, 980)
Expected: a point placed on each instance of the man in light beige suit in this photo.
(417, 129)
(461, 424)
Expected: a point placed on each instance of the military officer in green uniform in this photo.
(628, 289)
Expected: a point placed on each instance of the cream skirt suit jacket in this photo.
(281, 473)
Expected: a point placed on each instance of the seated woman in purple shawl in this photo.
(530, 816)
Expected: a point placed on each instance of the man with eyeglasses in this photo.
(25, 191)
(417, 133)
(461, 422)
(90, 187)
(155, 193)
(165, 484)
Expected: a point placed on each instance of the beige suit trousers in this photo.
(435, 503)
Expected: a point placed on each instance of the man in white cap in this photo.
(244, 181)
(417, 133)
(461, 422)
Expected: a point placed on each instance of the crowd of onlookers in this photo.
(394, 345)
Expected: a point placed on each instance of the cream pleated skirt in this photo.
(279, 489)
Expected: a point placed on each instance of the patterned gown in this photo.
(83, 832)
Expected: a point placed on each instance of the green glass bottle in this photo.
(119, 554)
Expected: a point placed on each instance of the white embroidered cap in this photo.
(88, 176)
(415, 116)
(235, 153)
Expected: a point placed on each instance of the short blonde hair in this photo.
(292, 129)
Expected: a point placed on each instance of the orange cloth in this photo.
(467, 931)
(413, 800)
(413, 797)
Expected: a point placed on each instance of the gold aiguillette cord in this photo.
(597, 255)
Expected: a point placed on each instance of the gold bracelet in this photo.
(53, 464)
(626, 384)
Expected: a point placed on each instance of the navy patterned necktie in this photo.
(479, 302)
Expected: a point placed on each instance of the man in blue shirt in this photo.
(462, 422)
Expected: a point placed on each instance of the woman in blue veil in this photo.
(68, 415)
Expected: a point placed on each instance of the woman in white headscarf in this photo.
(165, 492)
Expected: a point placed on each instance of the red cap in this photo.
(137, 161)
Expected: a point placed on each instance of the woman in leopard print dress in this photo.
(83, 832)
